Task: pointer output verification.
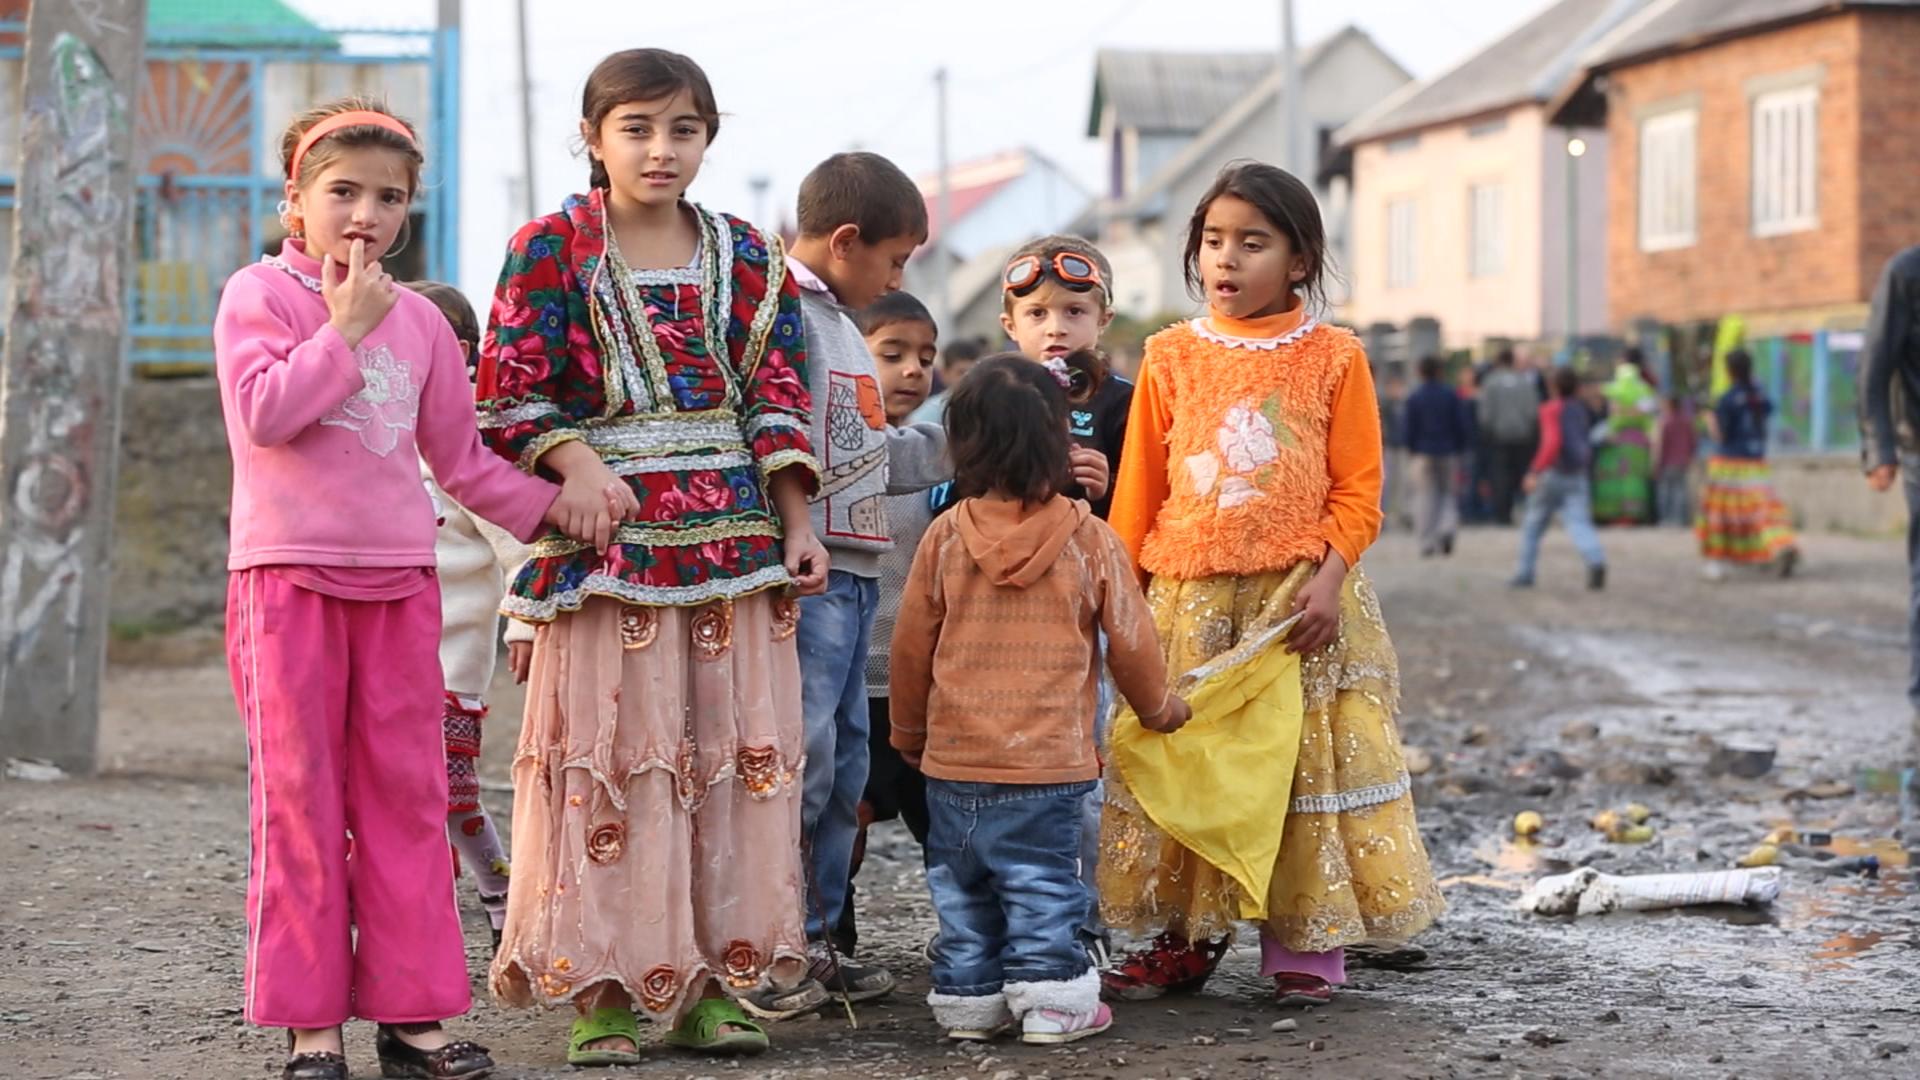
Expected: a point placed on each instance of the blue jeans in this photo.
(1569, 497)
(832, 639)
(1003, 866)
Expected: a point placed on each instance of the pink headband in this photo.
(350, 118)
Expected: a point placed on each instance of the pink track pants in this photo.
(342, 705)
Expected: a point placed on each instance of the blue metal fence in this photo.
(206, 202)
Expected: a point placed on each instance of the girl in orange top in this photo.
(1249, 488)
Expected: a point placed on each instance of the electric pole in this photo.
(942, 253)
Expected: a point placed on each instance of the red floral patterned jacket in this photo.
(630, 362)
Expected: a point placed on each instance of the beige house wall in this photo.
(1438, 172)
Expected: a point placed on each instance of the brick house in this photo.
(1764, 157)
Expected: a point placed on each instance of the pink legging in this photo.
(342, 705)
(1277, 959)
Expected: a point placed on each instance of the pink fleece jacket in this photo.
(327, 440)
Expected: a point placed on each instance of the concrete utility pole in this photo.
(942, 259)
(60, 375)
(530, 200)
(1293, 158)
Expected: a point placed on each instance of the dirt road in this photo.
(121, 926)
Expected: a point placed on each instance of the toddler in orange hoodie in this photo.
(995, 664)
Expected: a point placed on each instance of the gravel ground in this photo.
(121, 927)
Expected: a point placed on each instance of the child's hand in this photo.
(1090, 470)
(806, 560)
(1881, 478)
(520, 660)
(1177, 713)
(362, 298)
(1318, 606)
(1529, 482)
(589, 508)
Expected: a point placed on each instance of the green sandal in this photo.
(605, 1023)
(700, 1030)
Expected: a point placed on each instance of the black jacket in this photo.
(1890, 399)
(1101, 424)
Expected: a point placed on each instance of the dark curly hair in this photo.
(1007, 426)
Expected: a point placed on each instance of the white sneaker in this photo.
(1052, 1027)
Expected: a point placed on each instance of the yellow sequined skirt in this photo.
(1351, 866)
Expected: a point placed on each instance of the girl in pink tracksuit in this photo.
(334, 383)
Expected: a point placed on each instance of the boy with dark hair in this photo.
(860, 218)
(955, 361)
(1558, 482)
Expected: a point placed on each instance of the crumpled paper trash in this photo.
(1587, 891)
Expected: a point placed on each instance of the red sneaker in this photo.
(1307, 990)
(1171, 964)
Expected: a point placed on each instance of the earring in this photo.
(288, 219)
(406, 237)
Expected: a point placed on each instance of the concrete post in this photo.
(60, 375)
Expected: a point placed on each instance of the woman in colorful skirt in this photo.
(1623, 465)
(1742, 522)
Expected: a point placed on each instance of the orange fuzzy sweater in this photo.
(1252, 445)
(995, 656)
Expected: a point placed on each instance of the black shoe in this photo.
(313, 1065)
(1446, 546)
(496, 939)
(1789, 562)
(1520, 583)
(1597, 577)
(460, 1060)
(854, 982)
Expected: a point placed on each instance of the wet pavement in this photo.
(121, 924)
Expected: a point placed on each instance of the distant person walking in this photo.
(1509, 417)
(1439, 430)
(1742, 520)
(1558, 483)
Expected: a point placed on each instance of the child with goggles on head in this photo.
(1058, 298)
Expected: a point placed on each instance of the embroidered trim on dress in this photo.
(785, 459)
(598, 584)
(760, 424)
(530, 457)
(651, 536)
(519, 414)
(764, 315)
(665, 434)
(634, 466)
(1308, 324)
(1359, 798)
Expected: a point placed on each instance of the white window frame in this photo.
(1487, 229)
(1403, 242)
(1786, 151)
(1669, 189)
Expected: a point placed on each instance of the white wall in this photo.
(1438, 173)
(1039, 201)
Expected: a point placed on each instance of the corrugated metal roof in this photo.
(1183, 92)
(1527, 64)
(1680, 24)
(234, 24)
(1170, 91)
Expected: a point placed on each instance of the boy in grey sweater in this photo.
(860, 218)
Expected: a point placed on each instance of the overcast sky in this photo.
(798, 81)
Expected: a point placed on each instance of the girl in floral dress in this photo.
(1249, 488)
(656, 798)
